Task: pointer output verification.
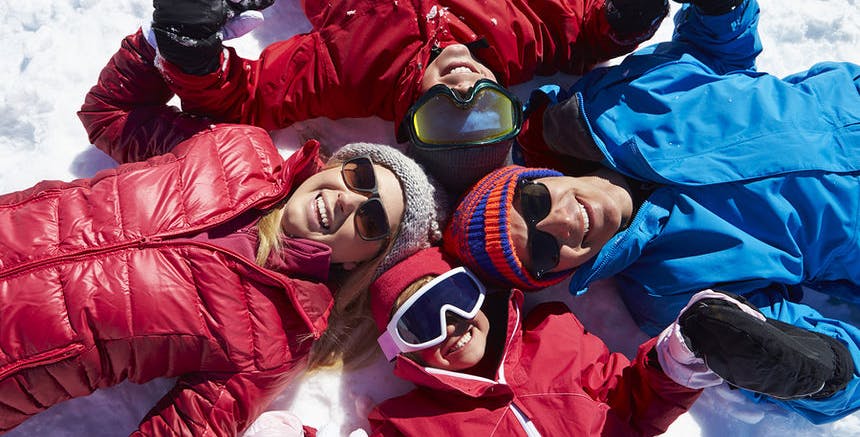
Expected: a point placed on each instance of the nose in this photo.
(348, 201)
(456, 325)
(558, 224)
(461, 89)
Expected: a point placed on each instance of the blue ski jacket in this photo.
(756, 179)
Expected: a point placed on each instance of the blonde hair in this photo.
(270, 233)
(350, 339)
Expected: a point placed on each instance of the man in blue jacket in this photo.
(690, 170)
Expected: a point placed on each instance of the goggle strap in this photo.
(388, 346)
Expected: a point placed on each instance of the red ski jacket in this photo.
(366, 57)
(122, 277)
(100, 282)
(555, 379)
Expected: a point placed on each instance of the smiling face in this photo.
(463, 348)
(456, 68)
(586, 212)
(323, 209)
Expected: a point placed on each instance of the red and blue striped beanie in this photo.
(478, 233)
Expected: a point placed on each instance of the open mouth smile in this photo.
(321, 212)
(463, 341)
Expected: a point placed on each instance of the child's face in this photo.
(464, 347)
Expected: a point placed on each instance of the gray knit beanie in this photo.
(425, 202)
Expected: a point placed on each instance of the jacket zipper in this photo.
(140, 243)
(148, 242)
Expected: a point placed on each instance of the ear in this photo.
(348, 265)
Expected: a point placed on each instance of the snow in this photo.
(54, 52)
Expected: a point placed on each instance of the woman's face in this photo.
(456, 68)
(323, 209)
(465, 346)
(586, 212)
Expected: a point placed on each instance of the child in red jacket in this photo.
(482, 368)
(382, 58)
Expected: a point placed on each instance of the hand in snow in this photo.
(722, 335)
(189, 33)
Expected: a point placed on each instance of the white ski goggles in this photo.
(421, 323)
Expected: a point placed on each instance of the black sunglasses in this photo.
(535, 204)
(371, 222)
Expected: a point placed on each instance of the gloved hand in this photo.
(713, 7)
(735, 341)
(189, 32)
(631, 18)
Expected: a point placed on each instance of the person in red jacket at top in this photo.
(213, 262)
(483, 367)
(379, 57)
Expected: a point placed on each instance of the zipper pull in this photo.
(147, 241)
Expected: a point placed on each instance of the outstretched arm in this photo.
(725, 32)
(126, 114)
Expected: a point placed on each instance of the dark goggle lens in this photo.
(371, 222)
(535, 204)
(420, 323)
(358, 174)
(488, 116)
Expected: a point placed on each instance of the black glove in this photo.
(713, 7)
(630, 18)
(768, 357)
(188, 32)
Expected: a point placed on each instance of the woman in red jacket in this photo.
(212, 263)
(483, 368)
(377, 57)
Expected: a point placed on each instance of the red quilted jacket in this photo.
(106, 279)
(98, 284)
(555, 379)
(366, 57)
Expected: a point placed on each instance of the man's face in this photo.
(586, 212)
(456, 68)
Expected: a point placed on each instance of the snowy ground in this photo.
(54, 51)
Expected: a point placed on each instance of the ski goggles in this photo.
(535, 203)
(371, 221)
(421, 322)
(442, 119)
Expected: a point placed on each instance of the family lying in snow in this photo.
(703, 187)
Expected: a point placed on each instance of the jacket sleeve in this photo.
(585, 35)
(292, 80)
(126, 113)
(214, 405)
(638, 393)
(725, 42)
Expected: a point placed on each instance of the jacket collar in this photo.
(300, 257)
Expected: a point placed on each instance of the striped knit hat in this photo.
(478, 232)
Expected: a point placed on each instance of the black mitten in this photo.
(630, 18)
(713, 7)
(187, 33)
(765, 356)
